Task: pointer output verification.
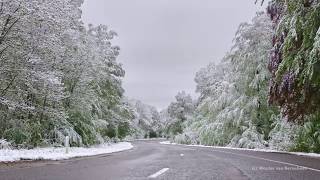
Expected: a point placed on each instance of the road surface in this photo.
(151, 160)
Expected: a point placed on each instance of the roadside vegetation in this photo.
(265, 92)
(60, 78)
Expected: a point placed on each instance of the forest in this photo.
(265, 92)
(59, 78)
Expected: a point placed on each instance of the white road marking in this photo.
(155, 175)
(280, 162)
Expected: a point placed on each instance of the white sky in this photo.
(165, 42)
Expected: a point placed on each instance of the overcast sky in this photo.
(165, 42)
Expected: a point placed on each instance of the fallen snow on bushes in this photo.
(244, 149)
(7, 155)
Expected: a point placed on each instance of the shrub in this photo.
(4, 144)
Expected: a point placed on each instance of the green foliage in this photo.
(178, 113)
(123, 130)
(153, 134)
(175, 128)
(233, 108)
(87, 132)
(110, 132)
(218, 134)
(308, 138)
(16, 135)
(36, 134)
(58, 79)
(295, 60)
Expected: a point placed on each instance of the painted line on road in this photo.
(155, 175)
(280, 162)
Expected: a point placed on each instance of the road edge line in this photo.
(275, 161)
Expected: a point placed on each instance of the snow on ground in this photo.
(245, 149)
(7, 155)
(144, 139)
(169, 143)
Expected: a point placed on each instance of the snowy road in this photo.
(151, 160)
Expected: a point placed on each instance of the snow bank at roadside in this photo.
(144, 139)
(170, 143)
(60, 153)
(244, 149)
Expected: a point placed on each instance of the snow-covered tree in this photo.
(93, 81)
(283, 135)
(178, 113)
(30, 45)
(58, 78)
(294, 63)
(146, 120)
(182, 107)
(249, 58)
(233, 108)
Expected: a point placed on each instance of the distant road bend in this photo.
(151, 160)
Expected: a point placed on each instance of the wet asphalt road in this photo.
(175, 162)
